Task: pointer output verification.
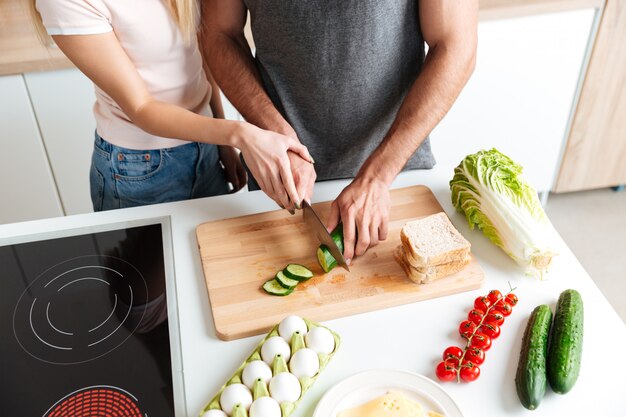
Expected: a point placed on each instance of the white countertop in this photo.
(410, 337)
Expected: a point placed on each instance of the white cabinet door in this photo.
(520, 96)
(27, 188)
(63, 103)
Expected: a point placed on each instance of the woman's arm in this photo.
(265, 152)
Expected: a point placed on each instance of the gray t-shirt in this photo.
(338, 71)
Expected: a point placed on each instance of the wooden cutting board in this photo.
(240, 254)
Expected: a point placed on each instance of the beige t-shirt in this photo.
(171, 69)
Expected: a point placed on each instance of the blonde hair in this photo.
(184, 13)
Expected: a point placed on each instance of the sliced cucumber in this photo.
(326, 260)
(285, 281)
(297, 272)
(273, 287)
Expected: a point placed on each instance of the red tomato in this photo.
(476, 316)
(495, 317)
(482, 304)
(494, 296)
(503, 307)
(469, 371)
(475, 355)
(452, 352)
(490, 329)
(481, 341)
(467, 328)
(512, 299)
(445, 372)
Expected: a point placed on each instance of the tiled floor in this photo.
(593, 223)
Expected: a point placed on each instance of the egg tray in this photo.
(287, 408)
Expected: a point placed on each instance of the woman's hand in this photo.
(233, 168)
(265, 153)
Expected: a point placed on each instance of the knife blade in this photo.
(315, 224)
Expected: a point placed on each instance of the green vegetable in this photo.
(297, 272)
(273, 287)
(531, 381)
(285, 281)
(567, 342)
(324, 257)
(488, 187)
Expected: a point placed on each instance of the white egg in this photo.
(255, 370)
(265, 407)
(274, 346)
(304, 362)
(214, 413)
(320, 340)
(235, 394)
(285, 387)
(290, 325)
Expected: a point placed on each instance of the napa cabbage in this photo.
(488, 187)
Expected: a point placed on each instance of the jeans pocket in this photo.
(96, 185)
(135, 165)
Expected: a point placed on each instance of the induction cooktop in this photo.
(85, 327)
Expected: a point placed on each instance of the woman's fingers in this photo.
(280, 195)
(288, 182)
(301, 150)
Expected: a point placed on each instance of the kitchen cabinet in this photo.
(595, 155)
(63, 102)
(521, 93)
(27, 184)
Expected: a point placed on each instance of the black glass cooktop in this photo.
(84, 328)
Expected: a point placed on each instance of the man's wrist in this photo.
(375, 172)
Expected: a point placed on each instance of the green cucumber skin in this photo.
(285, 281)
(326, 260)
(531, 380)
(329, 260)
(567, 342)
(299, 278)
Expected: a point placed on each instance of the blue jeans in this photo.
(121, 177)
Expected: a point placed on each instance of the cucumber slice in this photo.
(326, 260)
(297, 272)
(285, 281)
(273, 287)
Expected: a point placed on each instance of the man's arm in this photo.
(449, 28)
(233, 66)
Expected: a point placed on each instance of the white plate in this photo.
(366, 386)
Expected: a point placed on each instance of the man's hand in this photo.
(233, 168)
(363, 207)
(303, 175)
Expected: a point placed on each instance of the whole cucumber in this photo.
(530, 379)
(567, 342)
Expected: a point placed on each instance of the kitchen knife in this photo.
(312, 219)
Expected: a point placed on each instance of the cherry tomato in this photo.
(490, 329)
(494, 296)
(495, 317)
(481, 341)
(503, 307)
(469, 371)
(452, 352)
(475, 355)
(467, 328)
(445, 372)
(512, 299)
(482, 304)
(476, 316)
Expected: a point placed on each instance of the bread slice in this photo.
(429, 273)
(433, 240)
